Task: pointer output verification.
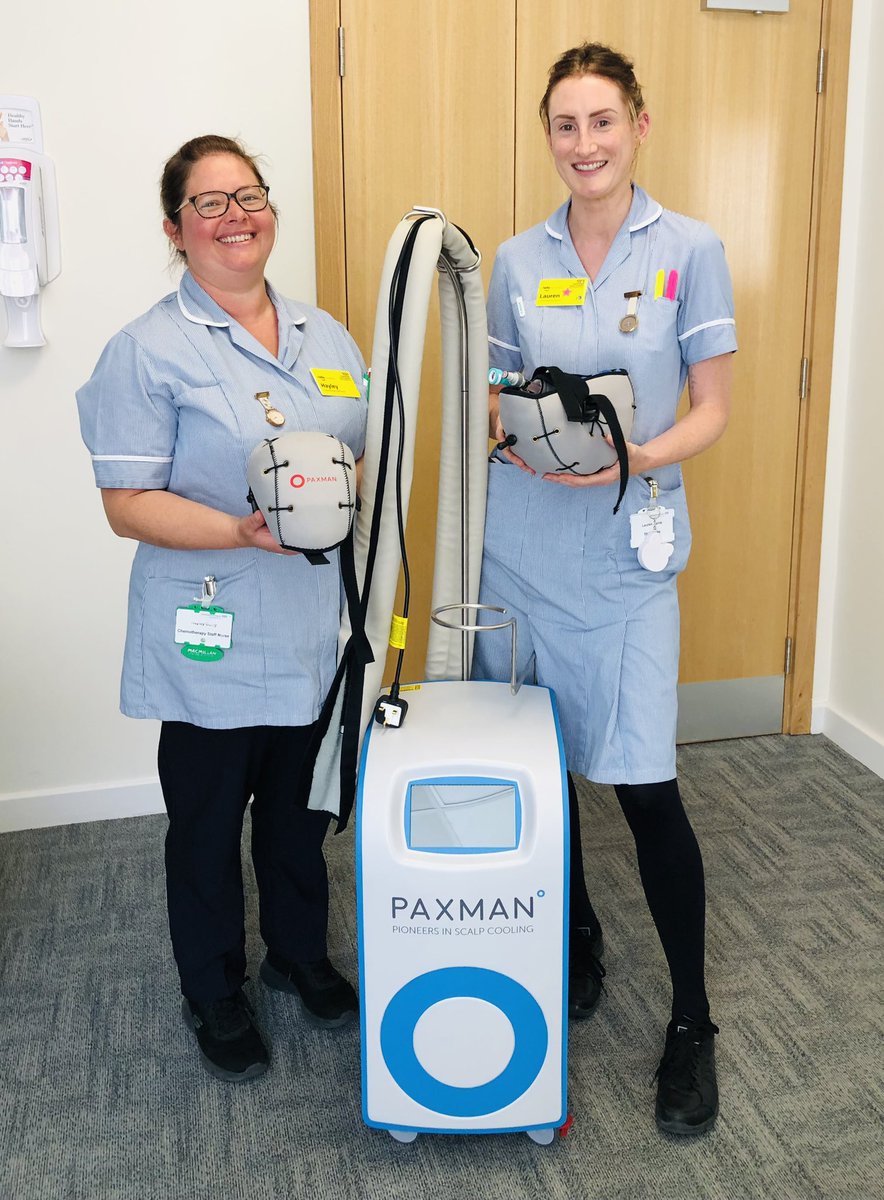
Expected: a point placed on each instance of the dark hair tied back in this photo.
(592, 58)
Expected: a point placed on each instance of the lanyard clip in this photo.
(653, 503)
(209, 591)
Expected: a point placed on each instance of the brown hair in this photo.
(177, 171)
(592, 58)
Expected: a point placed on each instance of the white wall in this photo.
(120, 86)
(849, 679)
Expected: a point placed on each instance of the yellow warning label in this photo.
(398, 632)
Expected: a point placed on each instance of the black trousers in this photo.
(207, 777)
(671, 869)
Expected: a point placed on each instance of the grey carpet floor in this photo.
(102, 1096)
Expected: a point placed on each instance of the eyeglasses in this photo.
(252, 198)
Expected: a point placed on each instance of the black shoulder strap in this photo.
(350, 675)
(358, 653)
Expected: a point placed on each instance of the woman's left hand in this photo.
(252, 531)
(608, 475)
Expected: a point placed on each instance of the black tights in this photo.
(671, 870)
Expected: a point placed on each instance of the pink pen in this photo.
(672, 285)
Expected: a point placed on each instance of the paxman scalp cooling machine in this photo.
(462, 907)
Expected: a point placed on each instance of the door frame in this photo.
(820, 295)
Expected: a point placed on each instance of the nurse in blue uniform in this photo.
(626, 284)
(176, 404)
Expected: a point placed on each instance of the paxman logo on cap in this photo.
(298, 481)
(281, 473)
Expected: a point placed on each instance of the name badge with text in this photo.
(335, 383)
(561, 293)
(204, 633)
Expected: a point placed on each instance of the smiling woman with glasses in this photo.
(251, 198)
(231, 641)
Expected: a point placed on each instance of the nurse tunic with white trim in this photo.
(171, 404)
(605, 632)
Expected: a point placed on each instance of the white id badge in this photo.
(199, 626)
(652, 534)
(651, 520)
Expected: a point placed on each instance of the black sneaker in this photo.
(230, 1045)
(585, 971)
(687, 1091)
(326, 996)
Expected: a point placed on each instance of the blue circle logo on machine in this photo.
(517, 1004)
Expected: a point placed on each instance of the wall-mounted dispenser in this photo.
(30, 254)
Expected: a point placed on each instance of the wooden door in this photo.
(439, 106)
(733, 114)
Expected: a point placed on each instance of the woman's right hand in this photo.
(252, 531)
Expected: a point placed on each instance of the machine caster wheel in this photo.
(402, 1135)
(543, 1137)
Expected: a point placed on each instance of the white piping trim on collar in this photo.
(199, 320)
(296, 320)
(655, 216)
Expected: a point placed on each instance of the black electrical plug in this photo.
(390, 711)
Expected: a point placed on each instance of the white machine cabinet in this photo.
(462, 879)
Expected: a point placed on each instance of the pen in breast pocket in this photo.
(666, 286)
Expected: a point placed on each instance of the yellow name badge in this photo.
(560, 293)
(335, 383)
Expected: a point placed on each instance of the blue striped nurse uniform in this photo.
(171, 404)
(604, 631)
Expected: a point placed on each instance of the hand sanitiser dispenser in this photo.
(29, 243)
(462, 885)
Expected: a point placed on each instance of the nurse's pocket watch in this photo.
(652, 532)
(629, 322)
(329, 382)
(272, 415)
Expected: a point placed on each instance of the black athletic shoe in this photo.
(326, 996)
(230, 1045)
(585, 971)
(687, 1091)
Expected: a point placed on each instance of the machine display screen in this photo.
(462, 816)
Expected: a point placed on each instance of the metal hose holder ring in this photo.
(510, 624)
